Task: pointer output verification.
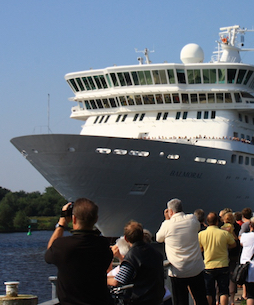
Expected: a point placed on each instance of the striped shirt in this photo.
(126, 274)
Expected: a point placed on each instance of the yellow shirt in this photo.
(214, 242)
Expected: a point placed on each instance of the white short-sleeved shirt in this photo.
(247, 241)
(180, 234)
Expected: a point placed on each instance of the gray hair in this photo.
(122, 245)
(175, 205)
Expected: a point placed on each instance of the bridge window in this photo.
(121, 79)
(240, 76)
(199, 115)
(80, 84)
(238, 98)
(247, 78)
(213, 114)
(221, 74)
(171, 76)
(114, 79)
(209, 76)
(194, 76)
(85, 81)
(178, 115)
(91, 82)
(159, 77)
(73, 84)
(127, 78)
(109, 81)
(181, 76)
(98, 83)
(135, 78)
(231, 76)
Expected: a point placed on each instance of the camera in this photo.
(68, 212)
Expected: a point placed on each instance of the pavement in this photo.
(239, 295)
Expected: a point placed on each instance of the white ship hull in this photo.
(138, 187)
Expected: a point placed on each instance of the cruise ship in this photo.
(153, 132)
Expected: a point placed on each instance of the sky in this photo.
(42, 40)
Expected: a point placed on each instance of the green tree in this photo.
(6, 217)
(3, 192)
(20, 221)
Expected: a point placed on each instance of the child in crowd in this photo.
(229, 220)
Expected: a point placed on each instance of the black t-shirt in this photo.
(82, 261)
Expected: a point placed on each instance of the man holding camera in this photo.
(82, 259)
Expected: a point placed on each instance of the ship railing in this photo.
(53, 280)
(174, 138)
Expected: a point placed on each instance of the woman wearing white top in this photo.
(247, 241)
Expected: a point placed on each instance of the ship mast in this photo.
(146, 53)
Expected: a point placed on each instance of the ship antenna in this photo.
(146, 53)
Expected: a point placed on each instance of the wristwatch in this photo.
(59, 226)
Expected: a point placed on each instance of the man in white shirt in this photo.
(179, 231)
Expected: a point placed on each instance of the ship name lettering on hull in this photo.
(186, 174)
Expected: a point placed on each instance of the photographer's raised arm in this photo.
(62, 223)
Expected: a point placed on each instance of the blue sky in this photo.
(42, 40)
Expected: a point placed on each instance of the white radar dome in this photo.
(192, 53)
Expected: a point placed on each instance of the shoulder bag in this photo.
(240, 273)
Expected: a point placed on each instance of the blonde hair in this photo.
(229, 218)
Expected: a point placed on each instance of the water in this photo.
(22, 259)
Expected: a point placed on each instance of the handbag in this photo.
(240, 272)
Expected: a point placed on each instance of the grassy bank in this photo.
(43, 222)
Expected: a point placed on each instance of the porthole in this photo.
(139, 153)
(103, 150)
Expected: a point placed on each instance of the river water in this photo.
(22, 260)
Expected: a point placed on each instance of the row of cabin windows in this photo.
(242, 136)
(242, 160)
(245, 118)
(175, 98)
(162, 77)
(200, 115)
(160, 115)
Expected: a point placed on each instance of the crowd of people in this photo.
(202, 253)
